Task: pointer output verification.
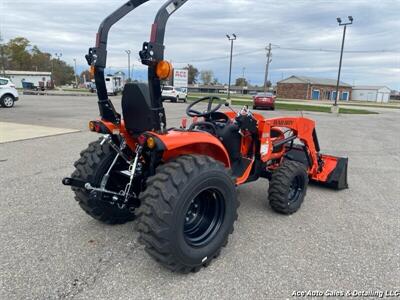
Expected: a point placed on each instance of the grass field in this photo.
(298, 107)
(350, 104)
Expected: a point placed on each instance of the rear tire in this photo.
(254, 107)
(7, 101)
(187, 212)
(288, 187)
(174, 100)
(91, 167)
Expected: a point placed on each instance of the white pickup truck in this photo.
(174, 94)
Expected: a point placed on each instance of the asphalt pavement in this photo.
(338, 241)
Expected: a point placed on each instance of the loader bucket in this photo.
(334, 172)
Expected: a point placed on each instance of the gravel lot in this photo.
(347, 240)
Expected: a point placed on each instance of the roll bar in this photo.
(151, 53)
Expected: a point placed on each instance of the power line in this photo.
(289, 49)
(334, 50)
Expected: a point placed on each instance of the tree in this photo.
(62, 73)
(241, 81)
(206, 76)
(18, 55)
(40, 61)
(193, 73)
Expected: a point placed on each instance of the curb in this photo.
(59, 94)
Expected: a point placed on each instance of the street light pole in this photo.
(129, 64)
(76, 77)
(58, 55)
(339, 20)
(243, 80)
(230, 38)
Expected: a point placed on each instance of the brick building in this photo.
(312, 88)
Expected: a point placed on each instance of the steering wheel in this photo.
(195, 113)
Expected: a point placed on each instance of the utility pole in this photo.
(231, 39)
(129, 64)
(339, 20)
(76, 77)
(269, 60)
(3, 60)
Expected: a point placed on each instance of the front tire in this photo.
(7, 101)
(91, 167)
(187, 212)
(288, 187)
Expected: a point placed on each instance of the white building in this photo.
(379, 94)
(37, 78)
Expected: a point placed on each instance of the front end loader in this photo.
(180, 183)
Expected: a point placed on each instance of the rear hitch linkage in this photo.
(122, 197)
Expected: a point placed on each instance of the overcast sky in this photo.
(196, 35)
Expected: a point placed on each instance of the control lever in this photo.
(227, 105)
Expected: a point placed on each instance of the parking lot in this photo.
(338, 241)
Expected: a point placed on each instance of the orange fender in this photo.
(179, 143)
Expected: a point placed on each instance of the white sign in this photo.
(181, 78)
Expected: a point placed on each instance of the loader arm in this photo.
(325, 169)
(303, 129)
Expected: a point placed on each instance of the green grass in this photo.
(300, 107)
(347, 104)
(346, 110)
(76, 90)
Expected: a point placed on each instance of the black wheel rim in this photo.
(296, 189)
(204, 217)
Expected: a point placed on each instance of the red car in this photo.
(264, 100)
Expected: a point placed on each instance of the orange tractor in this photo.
(181, 183)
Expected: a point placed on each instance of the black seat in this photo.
(136, 108)
(230, 137)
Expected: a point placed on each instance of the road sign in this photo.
(181, 78)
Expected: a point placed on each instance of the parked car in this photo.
(264, 100)
(173, 94)
(8, 93)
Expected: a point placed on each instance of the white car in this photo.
(8, 93)
(173, 94)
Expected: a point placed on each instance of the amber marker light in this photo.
(151, 143)
(92, 126)
(91, 71)
(164, 70)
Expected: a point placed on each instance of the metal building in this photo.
(37, 78)
(380, 94)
